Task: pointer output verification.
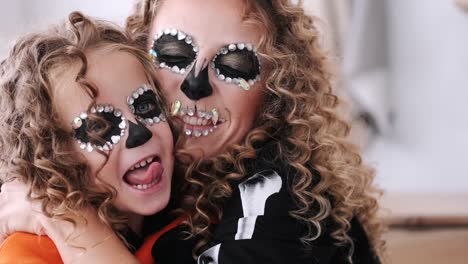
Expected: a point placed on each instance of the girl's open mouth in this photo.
(145, 175)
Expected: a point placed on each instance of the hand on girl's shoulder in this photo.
(27, 248)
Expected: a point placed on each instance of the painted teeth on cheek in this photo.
(215, 116)
(208, 119)
(190, 112)
(201, 114)
(193, 121)
(200, 132)
(197, 118)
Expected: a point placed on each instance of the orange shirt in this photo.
(28, 248)
(33, 249)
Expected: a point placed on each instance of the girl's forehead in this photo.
(115, 74)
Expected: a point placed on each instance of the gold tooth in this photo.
(176, 108)
(77, 122)
(215, 117)
(244, 84)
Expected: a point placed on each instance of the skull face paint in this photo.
(235, 63)
(141, 175)
(143, 104)
(197, 86)
(101, 132)
(238, 64)
(138, 135)
(218, 105)
(173, 49)
(108, 125)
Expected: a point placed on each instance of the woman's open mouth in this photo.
(197, 123)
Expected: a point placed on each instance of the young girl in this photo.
(82, 126)
(278, 182)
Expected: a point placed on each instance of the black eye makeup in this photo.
(144, 105)
(173, 49)
(102, 132)
(106, 125)
(238, 64)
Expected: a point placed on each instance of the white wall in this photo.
(10, 13)
(428, 51)
(47, 11)
(21, 16)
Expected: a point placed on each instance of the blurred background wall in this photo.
(20, 16)
(404, 66)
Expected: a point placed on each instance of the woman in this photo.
(248, 81)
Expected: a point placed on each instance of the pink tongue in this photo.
(146, 175)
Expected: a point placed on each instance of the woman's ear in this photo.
(463, 4)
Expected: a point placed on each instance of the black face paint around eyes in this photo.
(173, 49)
(102, 132)
(143, 103)
(238, 64)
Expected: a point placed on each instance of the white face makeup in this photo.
(140, 152)
(213, 79)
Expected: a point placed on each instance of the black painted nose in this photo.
(138, 134)
(197, 87)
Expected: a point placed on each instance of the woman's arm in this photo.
(90, 241)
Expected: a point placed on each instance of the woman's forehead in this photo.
(211, 23)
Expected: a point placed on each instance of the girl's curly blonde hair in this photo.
(299, 114)
(34, 145)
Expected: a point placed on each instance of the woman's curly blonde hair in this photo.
(299, 113)
(35, 146)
